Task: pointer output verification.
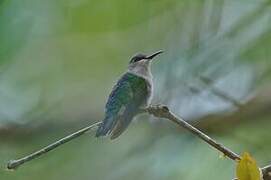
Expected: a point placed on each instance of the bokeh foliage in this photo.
(59, 59)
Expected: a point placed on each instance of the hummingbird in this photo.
(132, 92)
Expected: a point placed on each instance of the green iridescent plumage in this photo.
(130, 92)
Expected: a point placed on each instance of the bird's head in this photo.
(141, 58)
(139, 63)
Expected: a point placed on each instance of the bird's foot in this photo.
(157, 110)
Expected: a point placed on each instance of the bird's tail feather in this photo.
(105, 127)
(122, 125)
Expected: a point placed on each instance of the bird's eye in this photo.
(136, 59)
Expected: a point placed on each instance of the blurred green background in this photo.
(60, 58)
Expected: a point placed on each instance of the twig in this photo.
(163, 112)
(266, 172)
(160, 111)
(13, 164)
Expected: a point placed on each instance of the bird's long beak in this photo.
(154, 54)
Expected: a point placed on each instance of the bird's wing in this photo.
(118, 98)
(124, 120)
(122, 105)
(138, 97)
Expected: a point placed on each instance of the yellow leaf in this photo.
(247, 168)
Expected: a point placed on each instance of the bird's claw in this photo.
(158, 110)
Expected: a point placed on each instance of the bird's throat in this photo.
(142, 70)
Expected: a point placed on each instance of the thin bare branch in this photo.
(164, 112)
(159, 111)
(266, 172)
(13, 164)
